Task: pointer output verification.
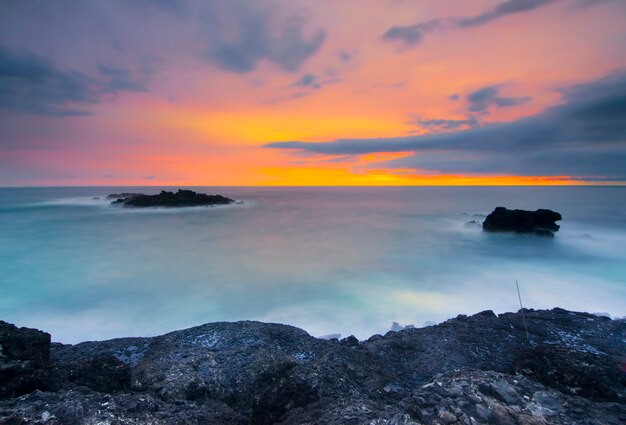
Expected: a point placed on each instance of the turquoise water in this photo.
(329, 260)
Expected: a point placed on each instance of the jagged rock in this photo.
(23, 344)
(182, 198)
(540, 222)
(85, 406)
(468, 370)
(24, 353)
(123, 195)
(103, 373)
(586, 374)
(487, 397)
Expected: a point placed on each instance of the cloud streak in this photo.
(584, 136)
(412, 35)
(435, 125)
(503, 9)
(481, 100)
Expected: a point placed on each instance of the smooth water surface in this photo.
(329, 260)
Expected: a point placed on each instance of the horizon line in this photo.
(617, 184)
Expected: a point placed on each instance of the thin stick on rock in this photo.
(522, 310)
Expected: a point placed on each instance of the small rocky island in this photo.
(541, 222)
(483, 369)
(182, 198)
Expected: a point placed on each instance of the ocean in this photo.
(329, 260)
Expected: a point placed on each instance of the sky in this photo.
(325, 92)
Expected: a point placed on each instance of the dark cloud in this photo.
(584, 136)
(345, 56)
(29, 83)
(506, 8)
(438, 125)
(480, 100)
(589, 3)
(411, 35)
(234, 35)
(120, 79)
(32, 84)
(307, 84)
(307, 80)
(179, 8)
(259, 35)
(285, 98)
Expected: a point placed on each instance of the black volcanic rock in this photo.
(182, 198)
(123, 195)
(478, 369)
(24, 353)
(23, 344)
(540, 222)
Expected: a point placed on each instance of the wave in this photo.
(173, 210)
(105, 204)
(85, 201)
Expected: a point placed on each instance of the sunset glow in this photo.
(140, 93)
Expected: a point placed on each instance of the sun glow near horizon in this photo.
(177, 100)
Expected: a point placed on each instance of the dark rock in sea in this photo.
(182, 198)
(478, 369)
(540, 222)
(123, 195)
(473, 224)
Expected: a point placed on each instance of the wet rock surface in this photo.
(476, 369)
(541, 222)
(24, 355)
(182, 198)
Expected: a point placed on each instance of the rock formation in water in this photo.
(123, 195)
(479, 369)
(182, 198)
(541, 222)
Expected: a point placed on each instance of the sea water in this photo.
(329, 260)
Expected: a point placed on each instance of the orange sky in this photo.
(190, 120)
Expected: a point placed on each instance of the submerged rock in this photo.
(540, 222)
(182, 198)
(473, 224)
(478, 369)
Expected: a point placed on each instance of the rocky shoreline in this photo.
(478, 369)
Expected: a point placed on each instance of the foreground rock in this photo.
(24, 355)
(182, 198)
(479, 369)
(541, 222)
